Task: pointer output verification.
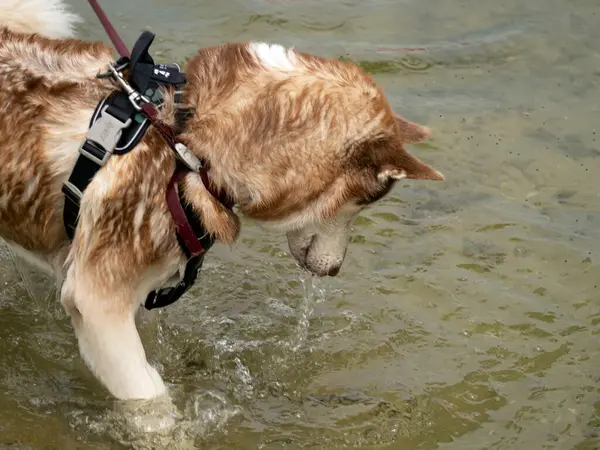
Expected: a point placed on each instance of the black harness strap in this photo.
(116, 127)
(101, 141)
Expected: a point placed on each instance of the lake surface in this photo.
(467, 314)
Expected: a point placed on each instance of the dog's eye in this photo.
(377, 195)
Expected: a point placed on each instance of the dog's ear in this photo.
(417, 170)
(400, 164)
(409, 132)
(405, 165)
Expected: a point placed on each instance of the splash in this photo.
(312, 294)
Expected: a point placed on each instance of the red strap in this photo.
(150, 111)
(182, 225)
(112, 34)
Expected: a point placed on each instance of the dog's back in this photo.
(47, 95)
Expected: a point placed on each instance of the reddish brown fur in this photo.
(301, 146)
(248, 120)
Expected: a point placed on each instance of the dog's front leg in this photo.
(103, 318)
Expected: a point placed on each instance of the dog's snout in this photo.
(320, 252)
(334, 271)
(323, 271)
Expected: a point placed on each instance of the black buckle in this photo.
(166, 296)
(169, 295)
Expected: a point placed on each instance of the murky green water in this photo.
(467, 315)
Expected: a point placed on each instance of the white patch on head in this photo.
(274, 56)
(49, 18)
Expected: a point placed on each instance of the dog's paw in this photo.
(151, 423)
(157, 416)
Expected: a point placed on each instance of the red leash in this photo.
(112, 33)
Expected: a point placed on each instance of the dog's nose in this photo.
(334, 271)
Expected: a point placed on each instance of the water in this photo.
(467, 315)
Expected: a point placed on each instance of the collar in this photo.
(193, 239)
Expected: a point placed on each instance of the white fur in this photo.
(108, 339)
(50, 265)
(138, 219)
(64, 140)
(274, 56)
(49, 18)
(394, 174)
(322, 245)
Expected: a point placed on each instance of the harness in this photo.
(119, 122)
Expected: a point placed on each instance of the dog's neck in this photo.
(211, 195)
(223, 184)
(217, 187)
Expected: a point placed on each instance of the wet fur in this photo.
(300, 142)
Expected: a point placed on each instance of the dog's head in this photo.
(302, 143)
(367, 174)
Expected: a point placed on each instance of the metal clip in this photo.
(105, 132)
(109, 73)
(134, 97)
(187, 157)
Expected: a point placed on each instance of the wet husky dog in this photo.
(298, 141)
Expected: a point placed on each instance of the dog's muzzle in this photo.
(319, 254)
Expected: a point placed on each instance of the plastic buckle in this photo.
(72, 192)
(105, 132)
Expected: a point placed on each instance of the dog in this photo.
(299, 142)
